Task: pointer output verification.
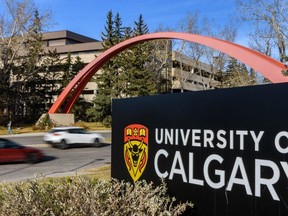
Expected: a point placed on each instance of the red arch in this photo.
(268, 67)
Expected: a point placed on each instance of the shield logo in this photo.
(135, 149)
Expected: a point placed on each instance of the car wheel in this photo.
(96, 143)
(32, 158)
(54, 145)
(63, 145)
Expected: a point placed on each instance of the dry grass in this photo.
(20, 130)
(33, 129)
(92, 125)
(102, 173)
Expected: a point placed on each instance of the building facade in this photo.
(186, 75)
(77, 45)
(189, 75)
(182, 72)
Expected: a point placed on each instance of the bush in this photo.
(107, 122)
(45, 123)
(86, 196)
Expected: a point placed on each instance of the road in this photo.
(72, 161)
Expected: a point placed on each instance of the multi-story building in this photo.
(86, 48)
(185, 74)
(189, 75)
(183, 71)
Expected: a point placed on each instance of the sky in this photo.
(88, 17)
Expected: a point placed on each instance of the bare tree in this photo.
(191, 23)
(262, 41)
(214, 59)
(160, 61)
(17, 27)
(270, 24)
(15, 20)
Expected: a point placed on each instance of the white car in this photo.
(62, 137)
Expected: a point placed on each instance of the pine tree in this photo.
(237, 74)
(51, 67)
(70, 69)
(140, 27)
(119, 31)
(141, 80)
(29, 86)
(78, 65)
(126, 74)
(105, 81)
(108, 36)
(20, 25)
(67, 71)
(80, 107)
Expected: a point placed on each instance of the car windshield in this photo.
(70, 130)
(56, 130)
(78, 131)
(8, 144)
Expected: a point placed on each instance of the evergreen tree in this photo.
(70, 69)
(125, 75)
(67, 71)
(140, 27)
(128, 33)
(108, 39)
(101, 111)
(20, 25)
(237, 74)
(30, 80)
(80, 108)
(108, 80)
(141, 80)
(119, 31)
(78, 65)
(118, 78)
(51, 67)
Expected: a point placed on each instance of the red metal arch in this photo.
(268, 67)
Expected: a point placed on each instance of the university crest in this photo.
(135, 149)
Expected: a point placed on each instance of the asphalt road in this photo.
(37, 138)
(72, 161)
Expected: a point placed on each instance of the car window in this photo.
(56, 130)
(77, 131)
(82, 131)
(8, 144)
(72, 131)
(2, 143)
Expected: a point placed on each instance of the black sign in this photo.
(225, 150)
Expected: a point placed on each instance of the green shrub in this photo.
(45, 123)
(87, 196)
(107, 122)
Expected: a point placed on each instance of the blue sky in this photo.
(88, 17)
